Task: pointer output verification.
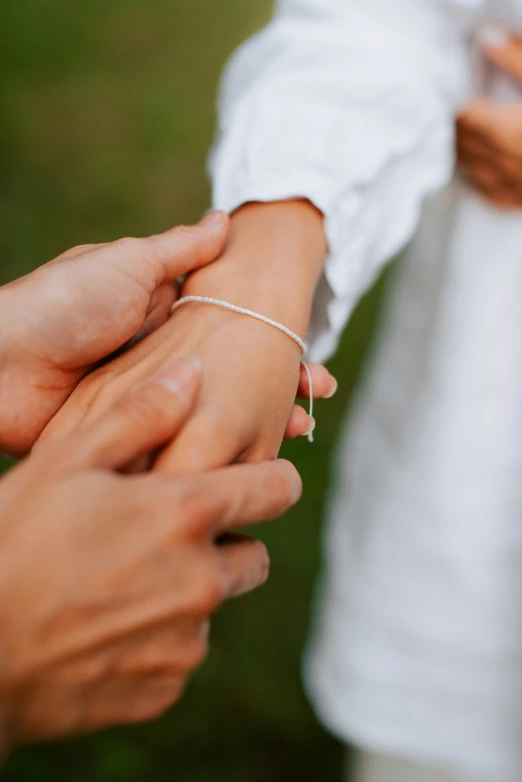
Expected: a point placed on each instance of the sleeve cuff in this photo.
(365, 226)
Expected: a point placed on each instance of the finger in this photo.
(483, 176)
(76, 252)
(324, 384)
(177, 646)
(142, 420)
(502, 199)
(473, 147)
(510, 167)
(503, 50)
(158, 313)
(481, 117)
(470, 144)
(508, 202)
(300, 424)
(240, 495)
(496, 124)
(184, 249)
(495, 180)
(133, 699)
(467, 162)
(245, 564)
(206, 443)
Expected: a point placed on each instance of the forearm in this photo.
(272, 263)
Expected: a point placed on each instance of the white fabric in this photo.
(370, 767)
(351, 103)
(348, 103)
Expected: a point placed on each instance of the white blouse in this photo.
(351, 104)
(417, 649)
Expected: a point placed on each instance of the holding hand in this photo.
(66, 316)
(251, 370)
(107, 581)
(70, 314)
(489, 135)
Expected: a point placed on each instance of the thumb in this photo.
(140, 421)
(183, 249)
(503, 50)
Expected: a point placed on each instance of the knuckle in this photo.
(265, 567)
(78, 249)
(260, 563)
(251, 572)
(196, 511)
(193, 655)
(140, 250)
(206, 444)
(129, 244)
(172, 695)
(208, 594)
(184, 233)
(186, 237)
(263, 561)
(155, 707)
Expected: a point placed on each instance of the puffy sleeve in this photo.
(351, 104)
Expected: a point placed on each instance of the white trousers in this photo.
(370, 767)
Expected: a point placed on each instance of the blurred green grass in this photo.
(107, 114)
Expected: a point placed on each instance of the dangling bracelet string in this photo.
(242, 311)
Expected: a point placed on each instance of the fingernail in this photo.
(333, 389)
(311, 427)
(494, 36)
(179, 378)
(213, 220)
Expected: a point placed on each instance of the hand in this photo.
(489, 136)
(107, 580)
(324, 386)
(251, 370)
(224, 344)
(71, 313)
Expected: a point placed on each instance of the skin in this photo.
(59, 322)
(271, 264)
(108, 576)
(489, 137)
(108, 580)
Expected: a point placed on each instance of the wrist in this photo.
(272, 262)
(12, 355)
(8, 326)
(28, 388)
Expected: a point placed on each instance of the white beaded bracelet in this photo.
(250, 313)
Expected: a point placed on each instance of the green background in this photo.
(107, 113)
